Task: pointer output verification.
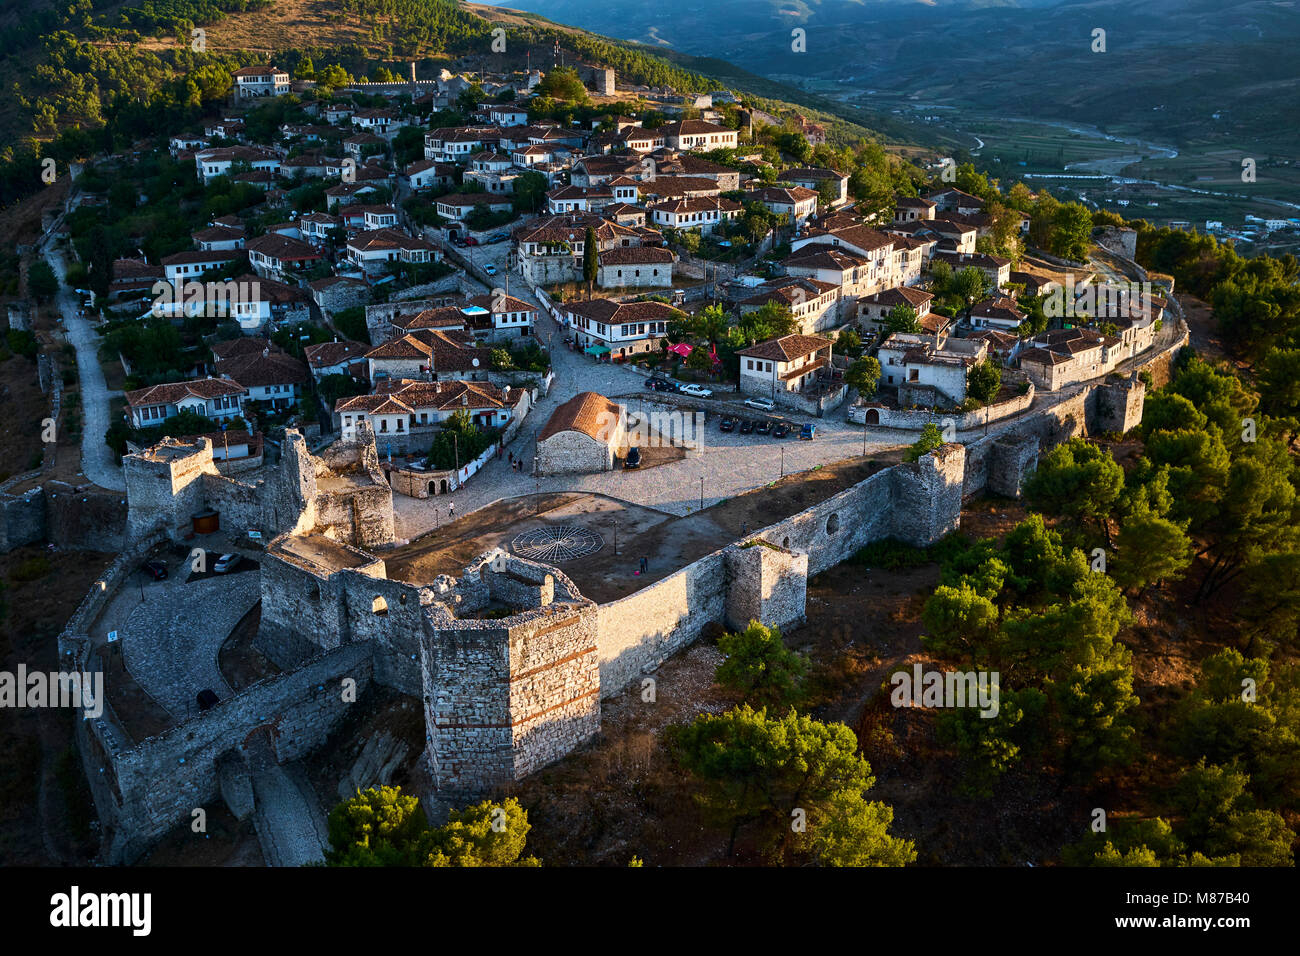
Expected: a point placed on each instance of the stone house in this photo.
(583, 435)
(787, 364)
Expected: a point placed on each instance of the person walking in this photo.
(645, 565)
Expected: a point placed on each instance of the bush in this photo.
(32, 569)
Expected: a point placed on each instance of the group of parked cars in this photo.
(730, 423)
(657, 384)
(766, 426)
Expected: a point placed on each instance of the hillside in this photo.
(1169, 65)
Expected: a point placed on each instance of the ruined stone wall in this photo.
(554, 686)
(157, 783)
(84, 519)
(927, 496)
(765, 583)
(22, 519)
(638, 633)
(838, 527)
(164, 486)
(242, 506)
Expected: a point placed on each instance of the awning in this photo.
(681, 348)
(596, 350)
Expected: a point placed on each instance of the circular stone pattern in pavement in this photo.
(557, 543)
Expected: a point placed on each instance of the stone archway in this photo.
(873, 416)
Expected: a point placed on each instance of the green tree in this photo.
(42, 283)
(378, 827)
(486, 834)
(590, 260)
(759, 666)
(1151, 550)
(984, 381)
(970, 285)
(902, 318)
(931, 438)
(853, 831)
(864, 375)
(1071, 231)
(562, 83)
(760, 771)
(1079, 480)
(991, 746)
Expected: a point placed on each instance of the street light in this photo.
(701, 492)
(537, 485)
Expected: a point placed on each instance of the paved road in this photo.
(289, 823)
(98, 463)
(171, 638)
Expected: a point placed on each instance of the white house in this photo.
(698, 134)
(929, 370)
(219, 161)
(458, 206)
(499, 316)
(190, 265)
(213, 398)
(617, 329)
(797, 202)
(786, 364)
(254, 81)
(372, 250)
(703, 213)
(815, 305)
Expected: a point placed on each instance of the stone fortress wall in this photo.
(509, 661)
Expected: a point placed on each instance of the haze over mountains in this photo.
(1169, 65)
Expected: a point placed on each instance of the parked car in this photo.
(808, 432)
(458, 241)
(727, 425)
(746, 426)
(666, 385)
(764, 404)
(651, 384)
(698, 391)
(764, 427)
(781, 430)
(497, 237)
(155, 569)
(471, 241)
(633, 459)
(226, 563)
(491, 270)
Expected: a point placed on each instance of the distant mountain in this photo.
(1168, 65)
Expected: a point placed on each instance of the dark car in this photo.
(746, 427)
(781, 430)
(764, 427)
(666, 385)
(155, 569)
(652, 384)
(497, 237)
(458, 241)
(727, 424)
(633, 459)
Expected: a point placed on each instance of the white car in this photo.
(226, 563)
(699, 391)
(766, 404)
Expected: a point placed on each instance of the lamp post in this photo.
(537, 485)
(782, 461)
(701, 492)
